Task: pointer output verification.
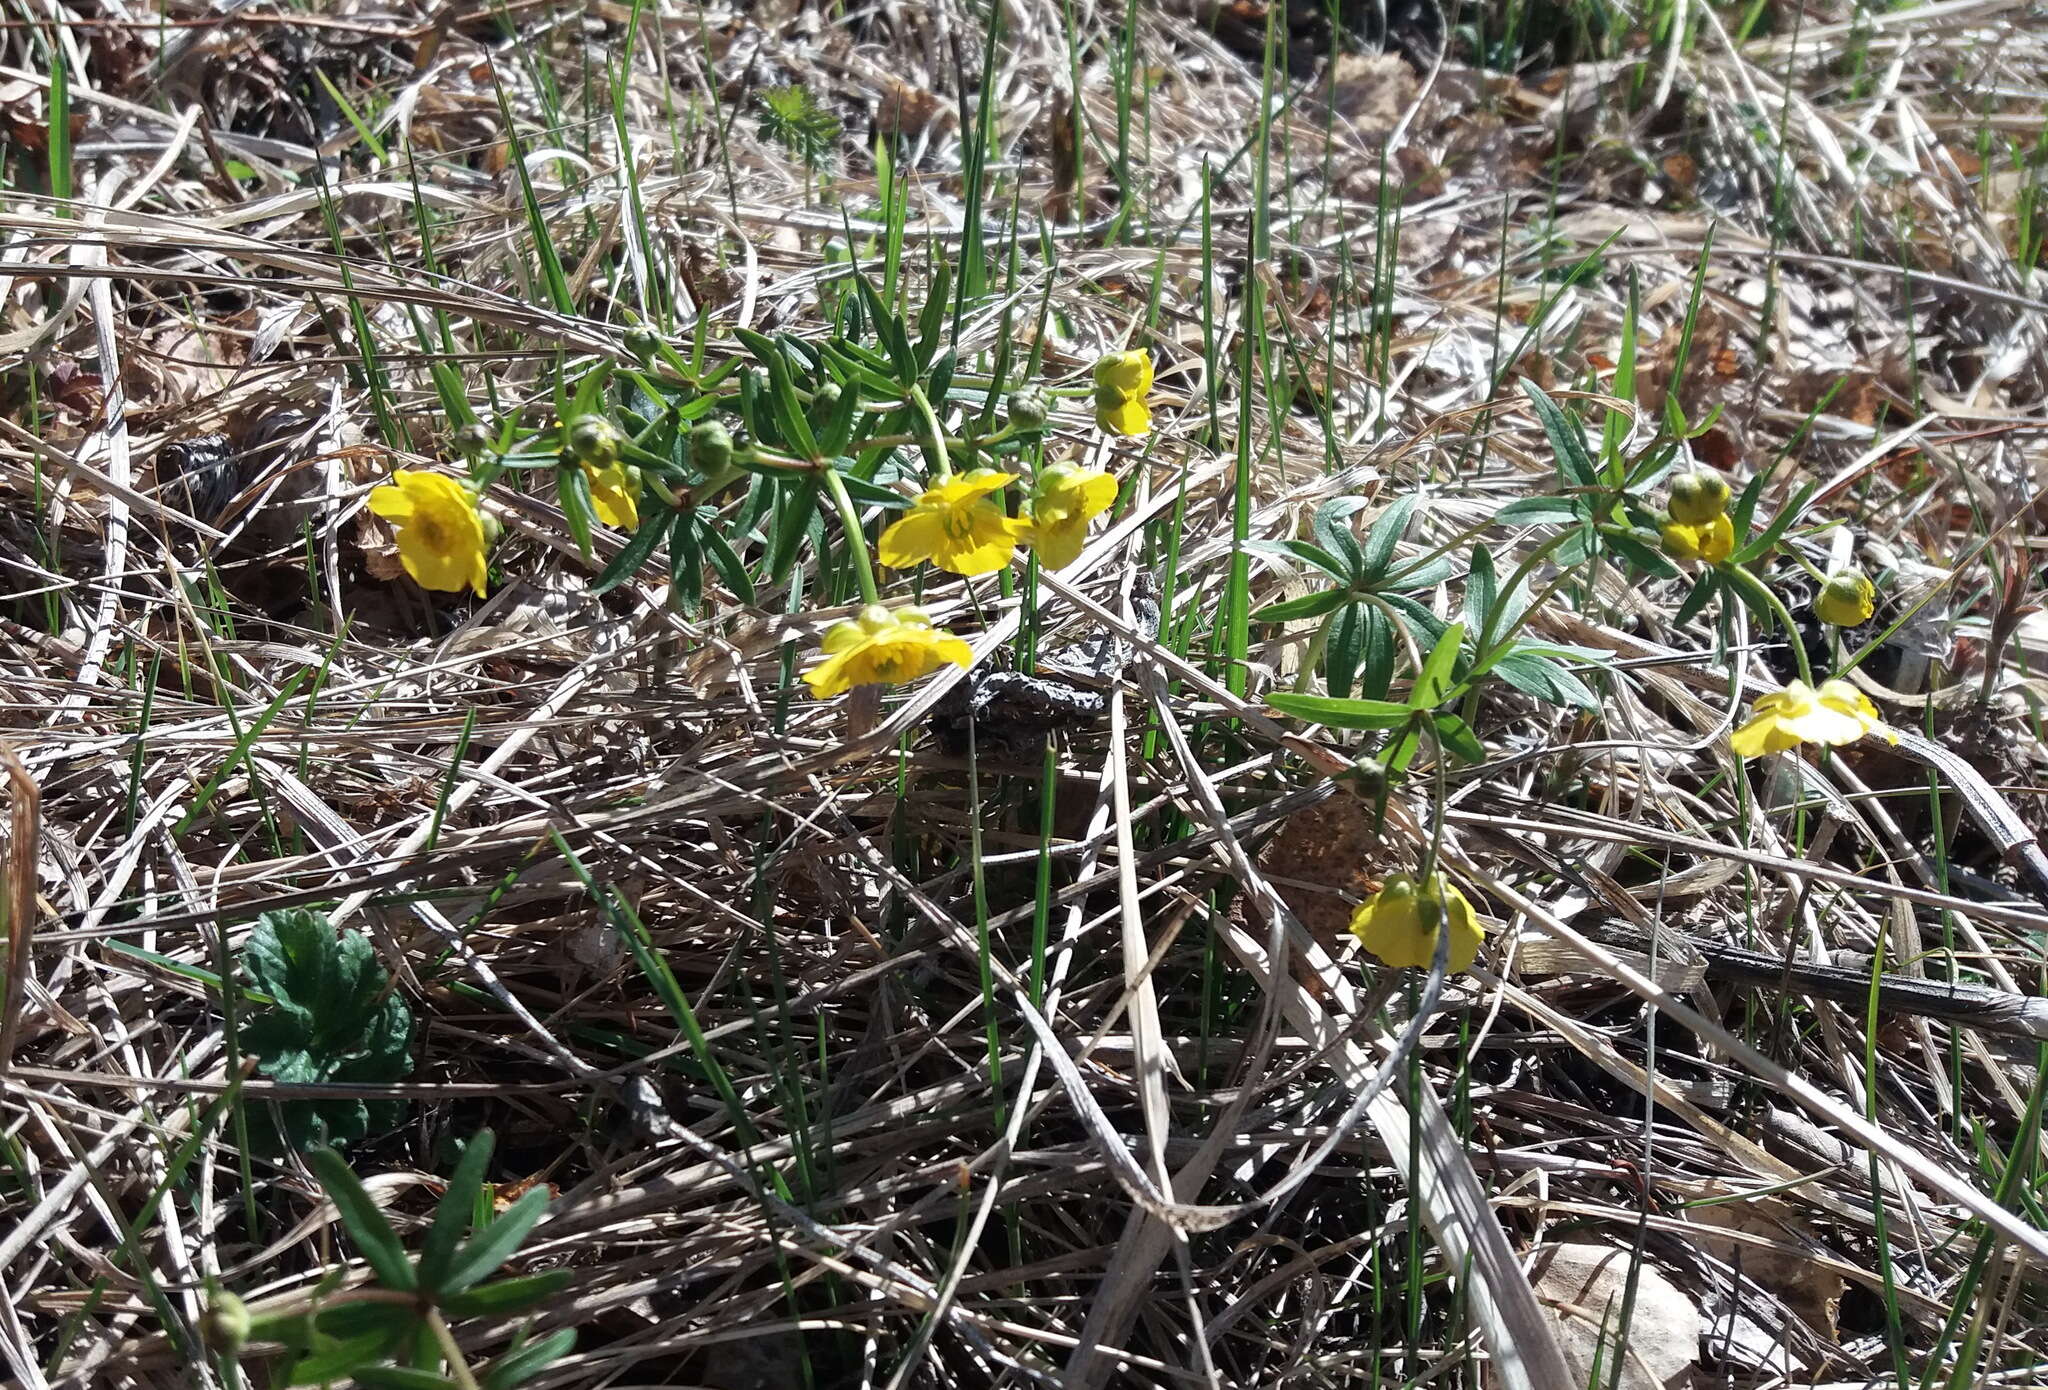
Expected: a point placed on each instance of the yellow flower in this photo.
(1698, 497)
(883, 648)
(1125, 415)
(1847, 600)
(1067, 499)
(1712, 541)
(615, 494)
(1399, 923)
(1836, 713)
(1126, 373)
(441, 538)
(956, 526)
(1122, 381)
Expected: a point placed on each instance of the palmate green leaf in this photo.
(372, 1233)
(1340, 713)
(1307, 606)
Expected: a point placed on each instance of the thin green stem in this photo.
(1760, 591)
(856, 537)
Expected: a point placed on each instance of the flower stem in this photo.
(856, 538)
(1761, 591)
(936, 437)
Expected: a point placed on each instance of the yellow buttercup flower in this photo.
(441, 538)
(1066, 500)
(1698, 497)
(1400, 922)
(883, 648)
(1122, 382)
(957, 526)
(1712, 541)
(1127, 373)
(1847, 600)
(615, 494)
(1837, 713)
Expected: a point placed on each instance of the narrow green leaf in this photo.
(400, 1378)
(1567, 440)
(522, 1363)
(503, 1297)
(1457, 736)
(237, 753)
(1433, 683)
(1545, 679)
(495, 1243)
(1340, 713)
(1765, 540)
(373, 1234)
(1385, 536)
(1482, 591)
(1307, 606)
(453, 1212)
(790, 421)
(653, 524)
(1533, 509)
(1703, 589)
(792, 524)
(572, 491)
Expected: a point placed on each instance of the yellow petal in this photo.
(1128, 418)
(1716, 539)
(914, 539)
(1058, 543)
(1128, 372)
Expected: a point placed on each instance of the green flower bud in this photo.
(494, 530)
(472, 439)
(594, 440)
(643, 342)
(1848, 599)
(825, 399)
(225, 1324)
(1367, 779)
(1027, 408)
(711, 445)
(1698, 497)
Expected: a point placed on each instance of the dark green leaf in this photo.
(1482, 592)
(452, 1214)
(836, 432)
(503, 1297)
(1545, 679)
(373, 1234)
(792, 523)
(1378, 649)
(572, 491)
(400, 1378)
(931, 320)
(1703, 589)
(1642, 556)
(1341, 653)
(1331, 526)
(873, 494)
(1767, 539)
(1340, 713)
(1424, 573)
(494, 1244)
(1567, 439)
(1385, 536)
(889, 328)
(521, 1363)
(339, 1358)
(1529, 509)
(790, 422)
(1307, 606)
(1457, 736)
(723, 557)
(686, 564)
(638, 546)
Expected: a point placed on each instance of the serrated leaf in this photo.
(503, 1297)
(494, 1244)
(1307, 606)
(1340, 713)
(372, 1233)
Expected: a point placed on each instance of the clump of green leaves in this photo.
(795, 119)
(328, 1014)
(395, 1332)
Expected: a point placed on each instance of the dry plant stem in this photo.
(2017, 844)
(24, 833)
